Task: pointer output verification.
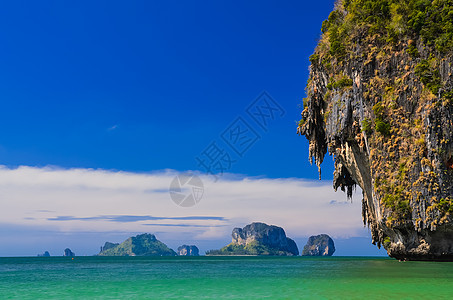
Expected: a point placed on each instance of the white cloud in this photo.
(32, 196)
(112, 127)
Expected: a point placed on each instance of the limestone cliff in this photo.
(380, 100)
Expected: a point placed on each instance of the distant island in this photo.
(45, 254)
(188, 250)
(140, 245)
(319, 245)
(68, 252)
(258, 239)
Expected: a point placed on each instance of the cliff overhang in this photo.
(380, 100)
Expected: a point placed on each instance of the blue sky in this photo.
(155, 73)
(146, 86)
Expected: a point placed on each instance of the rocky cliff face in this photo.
(380, 100)
(188, 250)
(319, 245)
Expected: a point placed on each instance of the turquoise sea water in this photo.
(223, 278)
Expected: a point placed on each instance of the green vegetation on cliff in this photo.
(140, 245)
(392, 20)
(386, 27)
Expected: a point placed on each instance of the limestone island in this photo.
(45, 254)
(68, 252)
(258, 239)
(188, 250)
(140, 245)
(319, 245)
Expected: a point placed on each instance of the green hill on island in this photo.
(140, 245)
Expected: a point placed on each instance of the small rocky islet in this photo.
(68, 252)
(188, 250)
(319, 245)
(45, 254)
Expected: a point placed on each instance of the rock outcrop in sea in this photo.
(188, 250)
(258, 239)
(380, 100)
(68, 252)
(319, 245)
(45, 254)
(140, 245)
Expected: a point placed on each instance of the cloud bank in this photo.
(88, 200)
